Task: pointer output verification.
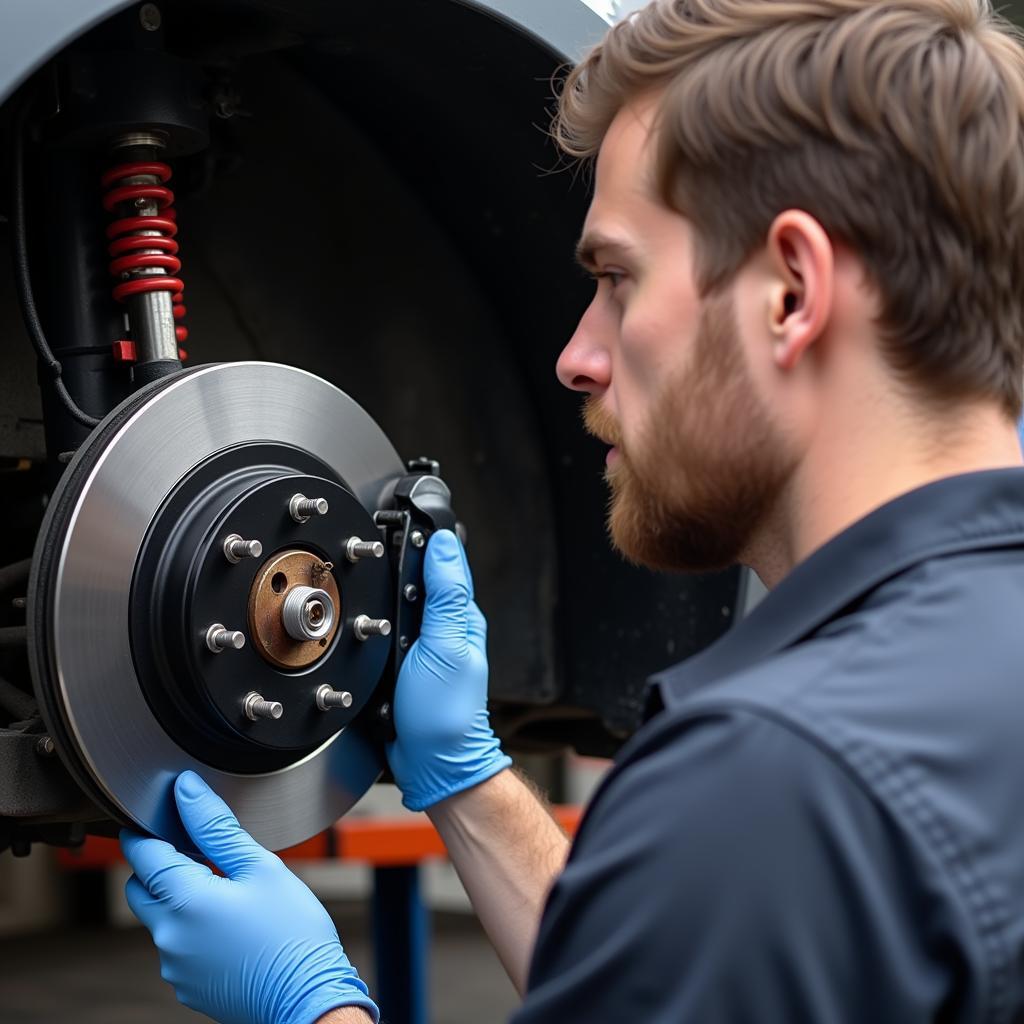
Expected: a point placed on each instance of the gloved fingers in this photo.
(157, 865)
(214, 828)
(476, 624)
(140, 902)
(447, 586)
(476, 627)
(466, 569)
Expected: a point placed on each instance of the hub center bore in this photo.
(294, 609)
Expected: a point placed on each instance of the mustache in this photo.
(600, 423)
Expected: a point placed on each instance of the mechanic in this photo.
(806, 349)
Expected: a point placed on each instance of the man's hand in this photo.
(445, 744)
(446, 760)
(254, 947)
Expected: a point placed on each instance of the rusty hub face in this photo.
(278, 576)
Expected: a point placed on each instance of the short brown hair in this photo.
(897, 124)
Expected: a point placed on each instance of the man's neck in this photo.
(848, 473)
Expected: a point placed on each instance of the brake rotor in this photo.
(131, 576)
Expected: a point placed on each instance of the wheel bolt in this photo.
(220, 639)
(364, 627)
(235, 549)
(256, 707)
(302, 508)
(327, 698)
(356, 548)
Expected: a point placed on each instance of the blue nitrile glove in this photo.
(255, 947)
(444, 740)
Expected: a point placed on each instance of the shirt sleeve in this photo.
(733, 872)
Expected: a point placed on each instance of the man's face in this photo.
(698, 461)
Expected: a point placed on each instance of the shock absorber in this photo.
(144, 255)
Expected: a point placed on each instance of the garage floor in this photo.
(112, 976)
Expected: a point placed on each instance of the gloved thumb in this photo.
(447, 585)
(213, 828)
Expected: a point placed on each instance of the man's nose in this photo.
(585, 364)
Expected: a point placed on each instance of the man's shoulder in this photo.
(731, 840)
(930, 659)
(907, 709)
(705, 774)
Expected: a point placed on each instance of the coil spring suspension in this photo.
(144, 254)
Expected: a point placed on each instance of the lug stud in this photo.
(301, 508)
(364, 627)
(327, 698)
(236, 548)
(220, 639)
(356, 548)
(417, 539)
(256, 707)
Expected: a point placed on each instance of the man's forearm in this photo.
(507, 849)
(346, 1015)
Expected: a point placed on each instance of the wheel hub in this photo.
(294, 609)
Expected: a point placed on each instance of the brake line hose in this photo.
(23, 282)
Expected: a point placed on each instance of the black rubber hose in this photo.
(23, 281)
(14, 575)
(20, 705)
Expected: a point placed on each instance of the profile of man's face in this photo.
(700, 462)
(706, 465)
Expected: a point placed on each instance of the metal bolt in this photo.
(327, 697)
(150, 17)
(307, 613)
(364, 627)
(256, 707)
(302, 508)
(45, 747)
(356, 548)
(235, 548)
(411, 592)
(220, 639)
(417, 539)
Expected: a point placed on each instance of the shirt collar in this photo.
(962, 513)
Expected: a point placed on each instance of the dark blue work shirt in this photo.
(825, 820)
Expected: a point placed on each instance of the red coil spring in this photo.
(126, 247)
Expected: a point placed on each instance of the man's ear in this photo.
(800, 307)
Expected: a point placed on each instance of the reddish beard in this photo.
(708, 465)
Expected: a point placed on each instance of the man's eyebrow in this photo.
(592, 243)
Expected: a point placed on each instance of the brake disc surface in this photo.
(85, 594)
